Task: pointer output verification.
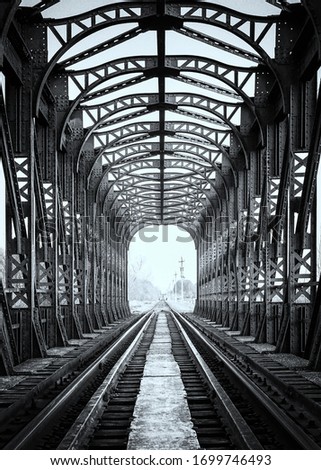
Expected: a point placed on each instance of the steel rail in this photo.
(243, 433)
(86, 420)
(42, 421)
(283, 420)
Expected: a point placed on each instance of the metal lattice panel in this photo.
(160, 112)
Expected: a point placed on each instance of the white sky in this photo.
(161, 248)
(73, 7)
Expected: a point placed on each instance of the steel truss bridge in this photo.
(217, 131)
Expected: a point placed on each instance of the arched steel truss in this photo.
(225, 145)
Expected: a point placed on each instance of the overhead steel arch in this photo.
(133, 182)
(221, 110)
(213, 124)
(189, 154)
(69, 31)
(119, 136)
(87, 80)
(80, 27)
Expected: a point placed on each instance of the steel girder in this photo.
(231, 155)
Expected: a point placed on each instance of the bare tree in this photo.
(139, 285)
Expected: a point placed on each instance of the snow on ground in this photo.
(186, 306)
(140, 306)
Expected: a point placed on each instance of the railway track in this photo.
(211, 429)
(265, 413)
(228, 409)
(43, 425)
